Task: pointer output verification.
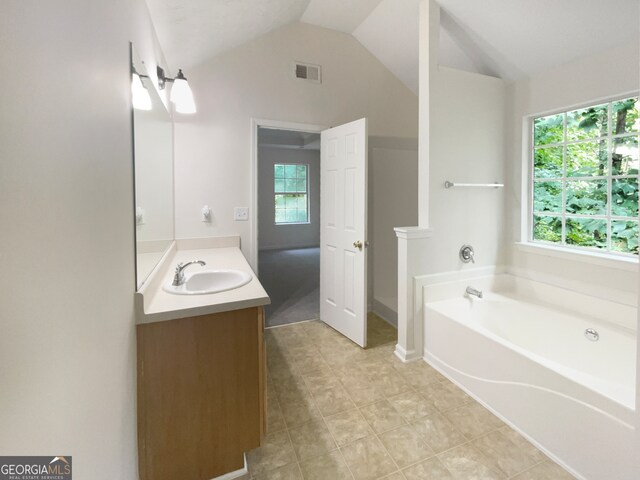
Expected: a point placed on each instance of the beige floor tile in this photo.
(292, 392)
(394, 476)
(281, 371)
(418, 374)
(438, 432)
(349, 370)
(296, 414)
(310, 361)
(336, 355)
(275, 452)
(545, 471)
(287, 336)
(387, 379)
(412, 406)
(319, 380)
(288, 472)
(347, 427)
(333, 400)
(311, 440)
(508, 452)
(325, 467)
(384, 352)
(371, 361)
(445, 396)
(406, 446)
(374, 322)
(317, 329)
(275, 420)
(473, 420)
(431, 469)
(382, 337)
(361, 390)
(466, 462)
(367, 459)
(313, 372)
(382, 416)
(244, 477)
(271, 389)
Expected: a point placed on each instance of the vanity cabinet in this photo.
(201, 394)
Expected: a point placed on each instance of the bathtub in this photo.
(522, 351)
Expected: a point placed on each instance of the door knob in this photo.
(358, 244)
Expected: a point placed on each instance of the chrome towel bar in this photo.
(449, 184)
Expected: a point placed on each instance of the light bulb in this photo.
(181, 95)
(140, 95)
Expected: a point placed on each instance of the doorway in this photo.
(288, 192)
(342, 223)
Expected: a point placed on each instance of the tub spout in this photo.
(474, 292)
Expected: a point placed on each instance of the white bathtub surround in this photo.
(411, 241)
(411, 323)
(522, 352)
(153, 304)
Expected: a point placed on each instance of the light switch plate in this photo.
(241, 214)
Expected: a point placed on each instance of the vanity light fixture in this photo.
(140, 95)
(181, 94)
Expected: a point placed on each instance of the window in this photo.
(290, 188)
(585, 178)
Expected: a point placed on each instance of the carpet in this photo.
(292, 280)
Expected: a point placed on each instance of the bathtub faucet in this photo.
(474, 292)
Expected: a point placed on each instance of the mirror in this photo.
(153, 166)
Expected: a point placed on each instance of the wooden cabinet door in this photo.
(200, 394)
(263, 373)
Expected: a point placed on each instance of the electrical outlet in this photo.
(241, 214)
(205, 213)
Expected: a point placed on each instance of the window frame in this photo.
(305, 193)
(528, 243)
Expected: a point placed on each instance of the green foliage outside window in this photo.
(290, 188)
(585, 177)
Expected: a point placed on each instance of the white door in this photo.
(343, 229)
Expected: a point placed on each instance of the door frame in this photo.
(253, 209)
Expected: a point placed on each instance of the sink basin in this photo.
(209, 281)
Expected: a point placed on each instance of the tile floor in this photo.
(336, 411)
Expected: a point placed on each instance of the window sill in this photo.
(604, 259)
(291, 224)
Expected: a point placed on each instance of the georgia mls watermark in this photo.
(35, 468)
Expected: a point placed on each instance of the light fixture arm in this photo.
(163, 79)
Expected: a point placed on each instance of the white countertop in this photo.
(153, 304)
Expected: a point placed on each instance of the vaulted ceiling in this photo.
(505, 38)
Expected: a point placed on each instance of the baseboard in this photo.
(293, 323)
(235, 474)
(287, 247)
(385, 313)
(406, 355)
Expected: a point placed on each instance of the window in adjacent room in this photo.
(585, 178)
(291, 183)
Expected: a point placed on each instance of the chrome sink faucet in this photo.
(474, 292)
(178, 278)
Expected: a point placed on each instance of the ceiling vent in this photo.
(306, 71)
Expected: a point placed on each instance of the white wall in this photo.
(599, 76)
(393, 201)
(270, 235)
(461, 139)
(467, 146)
(256, 80)
(67, 347)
